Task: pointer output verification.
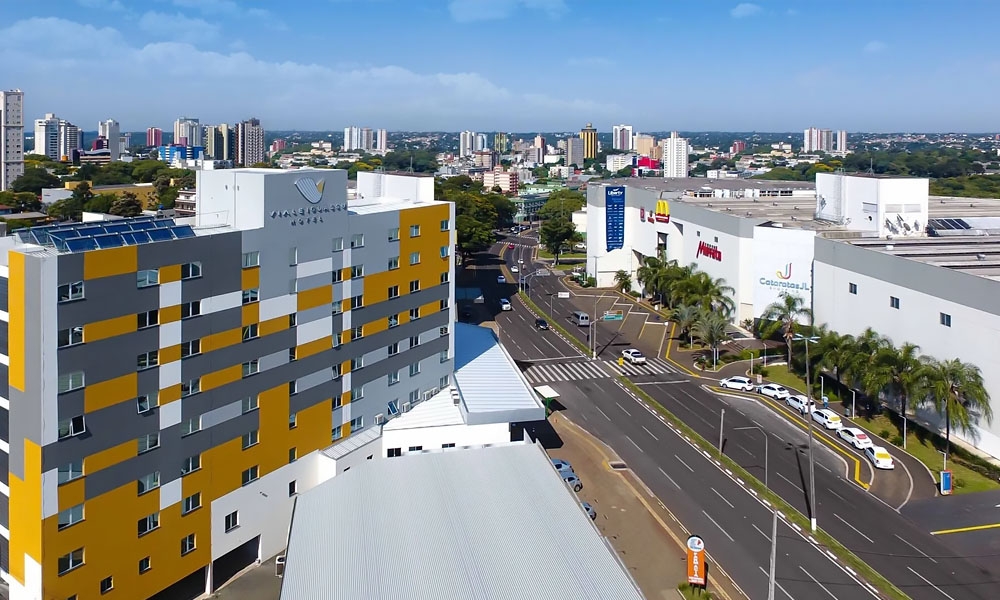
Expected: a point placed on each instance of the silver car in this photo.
(590, 510)
(572, 480)
(562, 466)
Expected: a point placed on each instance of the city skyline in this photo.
(211, 47)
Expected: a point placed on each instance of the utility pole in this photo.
(812, 468)
(722, 419)
(774, 552)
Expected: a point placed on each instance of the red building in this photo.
(154, 136)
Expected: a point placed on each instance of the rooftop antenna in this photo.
(871, 166)
(410, 170)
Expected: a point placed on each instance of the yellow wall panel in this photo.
(16, 323)
(314, 347)
(26, 512)
(72, 494)
(107, 328)
(318, 296)
(170, 394)
(110, 261)
(273, 325)
(313, 430)
(170, 354)
(376, 326)
(345, 430)
(106, 393)
(112, 456)
(250, 278)
(169, 314)
(221, 340)
(220, 378)
(170, 273)
(226, 462)
(251, 313)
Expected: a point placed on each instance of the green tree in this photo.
(624, 171)
(21, 201)
(127, 205)
(100, 203)
(82, 193)
(956, 388)
(623, 281)
(699, 288)
(650, 276)
(686, 317)
(473, 235)
(561, 204)
(146, 171)
(34, 179)
(898, 371)
(783, 315)
(505, 209)
(711, 330)
(835, 352)
(556, 233)
(86, 172)
(67, 209)
(114, 173)
(864, 349)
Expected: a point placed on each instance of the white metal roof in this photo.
(493, 389)
(485, 524)
(352, 443)
(434, 412)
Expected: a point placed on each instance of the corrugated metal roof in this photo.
(486, 524)
(353, 442)
(492, 387)
(435, 412)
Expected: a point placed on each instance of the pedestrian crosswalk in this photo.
(578, 370)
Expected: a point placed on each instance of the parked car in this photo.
(879, 457)
(570, 478)
(562, 466)
(505, 304)
(510, 246)
(855, 437)
(800, 403)
(514, 269)
(634, 356)
(827, 418)
(773, 390)
(737, 383)
(590, 510)
(541, 324)
(501, 279)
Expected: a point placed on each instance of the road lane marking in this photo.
(818, 583)
(766, 537)
(724, 532)
(824, 467)
(723, 498)
(669, 477)
(836, 494)
(651, 433)
(943, 593)
(623, 408)
(797, 486)
(858, 531)
(915, 548)
(780, 587)
(633, 443)
(965, 529)
(680, 460)
(602, 412)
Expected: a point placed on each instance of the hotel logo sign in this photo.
(312, 192)
(710, 250)
(310, 189)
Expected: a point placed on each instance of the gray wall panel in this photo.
(106, 428)
(399, 362)
(4, 424)
(312, 281)
(26, 406)
(205, 325)
(4, 382)
(377, 249)
(108, 358)
(221, 414)
(4, 466)
(314, 396)
(313, 314)
(3, 293)
(5, 512)
(95, 307)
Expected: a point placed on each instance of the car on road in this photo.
(879, 457)
(827, 418)
(855, 437)
(505, 304)
(541, 324)
(737, 383)
(773, 390)
(501, 279)
(800, 403)
(562, 466)
(514, 269)
(570, 478)
(590, 510)
(510, 246)
(634, 356)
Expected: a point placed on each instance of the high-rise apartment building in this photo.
(249, 143)
(154, 137)
(540, 143)
(841, 141)
(466, 143)
(47, 136)
(164, 379)
(111, 131)
(359, 138)
(737, 147)
(500, 178)
(187, 132)
(621, 137)
(643, 144)
(574, 151)
(589, 136)
(675, 156)
(382, 141)
(501, 143)
(11, 137)
(817, 140)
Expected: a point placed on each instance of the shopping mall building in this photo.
(860, 250)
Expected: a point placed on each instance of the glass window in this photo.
(414, 258)
(414, 341)
(147, 360)
(292, 488)
(414, 314)
(445, 251)
(393, 291)
(444, 277)
(149, 482)
(443, 330)
(852, 288)
(293, 256)
(358, 332)
(190, 387)
(190, 348)
(149, 442)
(393, 348)
(250, 475)
(337, 275)
(144, 565)
(443, 304)
(250, 332)
(393, 320)
(357, 302)
(72, 426)
(414, 369)
(146, 402)
(232, 520)
(190, 503)
(393, 263)
(71, 291)
(149, 523)
(357, 362)
(414, 230)
(293, 420)
(946, 319)
(336, 402)
(70, 381)
(393, 407)
(147, 319)
(250, 438)
(251, 367)
(894, 302)
(107, 584)
(393, 377)
(187, 544)
(357, 424)
(336, 433)
(68, 562)
(70, 471)
(445, 225)
(250, 404)
(443, 355)
(70, 337)
(191, 270)
(338, 244)
(191, 464)
(190, 309)
(394, 234)
(190, 426)
(357, 271)
(251, 259)
(338, 307)
(357, 240)
(443, 382)
(147, 278)
(70, 516)
(415, 286)
(251, 295)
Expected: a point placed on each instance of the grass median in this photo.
(793, 515)
(551, 320)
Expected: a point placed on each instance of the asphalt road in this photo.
(915, 561)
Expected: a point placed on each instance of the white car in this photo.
(827, 418)
(634, 356)
(880, 457)
(737, 383)
(773, 390)
(514, 269)
(855, 437)
(800, 403)
(505, 304)
(501, 279)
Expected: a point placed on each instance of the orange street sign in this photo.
(696, 560)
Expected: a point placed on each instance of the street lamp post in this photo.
(774, 519)
(812, 469)
(593, 321)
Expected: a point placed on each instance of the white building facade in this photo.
(11, 137)
(621, 137)
(675, 156)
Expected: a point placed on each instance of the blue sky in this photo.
(521, 65)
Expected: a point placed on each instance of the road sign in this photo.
(696, 560)
(946, 483)
(562, 295)
(614, 315)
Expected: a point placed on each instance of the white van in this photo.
(580, 318)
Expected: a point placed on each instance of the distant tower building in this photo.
(466, 143)
(110, 130)
(621, 137)
(124, 142)
(841, 141)
(817, 140)
(382, 141)
(47, 136)
(352, 138)
(219, 142)
(643, 144)
(154, 137)
(540, 143)
(738, 147)
(11, 137)
(187, 132)
(574, 151)
(70, 140)
(249, 142)
(675, 156)
(480, 143)
(589, 136)
(500, 143)
(367, 139)
(278, 146)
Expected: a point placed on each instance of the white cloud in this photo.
(743, 10)
(465, 11)
(875, 46)
(113, 5)
(225, 86)
(177, 27)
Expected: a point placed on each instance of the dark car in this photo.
(541, 324)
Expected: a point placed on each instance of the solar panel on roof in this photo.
(92, 230)
(110, 240)
(160, 235)
(142, 225)
(81, 244)
(183, 231)
(118, 228)
(164, 223)
(66, 233)
(40, 237)
(136, 237)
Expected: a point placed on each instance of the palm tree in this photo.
(650, 276)
(835, 352)
(623, 281)
(703, 290)
(899, 371)
(863, 351)
(686, 317)
(957, 390)
(711, 330)
(783, 315)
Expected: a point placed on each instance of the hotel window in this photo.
(70, 337)
(148, 442)
(251, 367)
(147, 319)
(357, 271)
(293, 420)
(147, 278)
(190, 503)
(251, 259)
(357, 302)
(444, 277)
(393, 320)
(293, 455)
(70, 381)
(107, 584)
(70, 471)
(250, 438)
(336, 433)
(414, 341)
(148, 523)
(414, 314)
(394, 234)
(191, 270)
(144, 565)
(393, 348)
(414, 231)
(337, 275)
(232, 521)
(946, 319)
(72, 426)
(68, 562)
(443, 304)
(393, 452)
(415, 449)
(445, 225)
(70, 516)
(414, 396)
(190, 309)
(414, 369)
(358, 362)
(894, 302)
(358, 240)
(443, 355)
(415, 286)
(357, 333)
(250, 475)
(190, 348)
(336, 402)
(250, 332)
(414, 258)
(443, 382)
(338, 244)
(393, 263)
(357, 393)
(146, 402)
(187, 544)
(192, 425)
(852, 288)
(191, 464)
(293, 388)
(251, 295)
(445, 251)
(293, 488)
(393, 377)
(393, 291)
(249, 404)
(69, 292)
(291, 320)
(338, 307)
(293, 256)
(148, 482)
(443, 331)
(147, 360)
(190, 387)
(357, 424)
(392, 407)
